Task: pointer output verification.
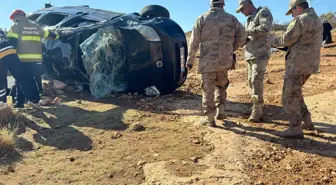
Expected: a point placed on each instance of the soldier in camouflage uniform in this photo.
(303, 40)
(257, 51)
(218, 34)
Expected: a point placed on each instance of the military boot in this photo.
(292, 132)
(209, 120)
(257, 112)
(307, 123)
(220, 113)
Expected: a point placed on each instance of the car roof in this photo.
(73, 10)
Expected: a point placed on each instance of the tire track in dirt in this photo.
(225, 165)
(234, 145)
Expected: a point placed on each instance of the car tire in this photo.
(154, 11)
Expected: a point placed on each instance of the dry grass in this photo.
(9, 121)
(7, 141)
(6, 113)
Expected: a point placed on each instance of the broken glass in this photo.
(104, 59)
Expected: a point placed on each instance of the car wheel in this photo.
(154, 11)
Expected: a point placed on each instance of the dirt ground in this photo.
(130, 139)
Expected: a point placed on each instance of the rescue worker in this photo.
(257, 51)
(303, 39)
(26, 36)
(9, 61)
(218, 34)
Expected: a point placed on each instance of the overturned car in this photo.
(114, 52)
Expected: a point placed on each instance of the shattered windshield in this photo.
(104, 59)
(105, 56)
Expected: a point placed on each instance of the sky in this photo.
(184, 12)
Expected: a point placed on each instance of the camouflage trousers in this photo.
(256, 73)
(292, 99)
(214, 87)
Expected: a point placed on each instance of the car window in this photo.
(78, 22)
(33, 17)
(52, 19)
(104, 15)
(85, 23)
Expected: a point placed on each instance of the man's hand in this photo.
(189, 66)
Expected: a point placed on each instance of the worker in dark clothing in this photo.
(327, 38)
(38, 80)
(26, 37)
(8, 61)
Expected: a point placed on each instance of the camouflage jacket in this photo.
(258, 28)
(303, 39)
(218, 34)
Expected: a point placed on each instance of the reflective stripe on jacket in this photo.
(29, 35)
(5, 47)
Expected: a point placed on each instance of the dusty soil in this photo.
(85, 141)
